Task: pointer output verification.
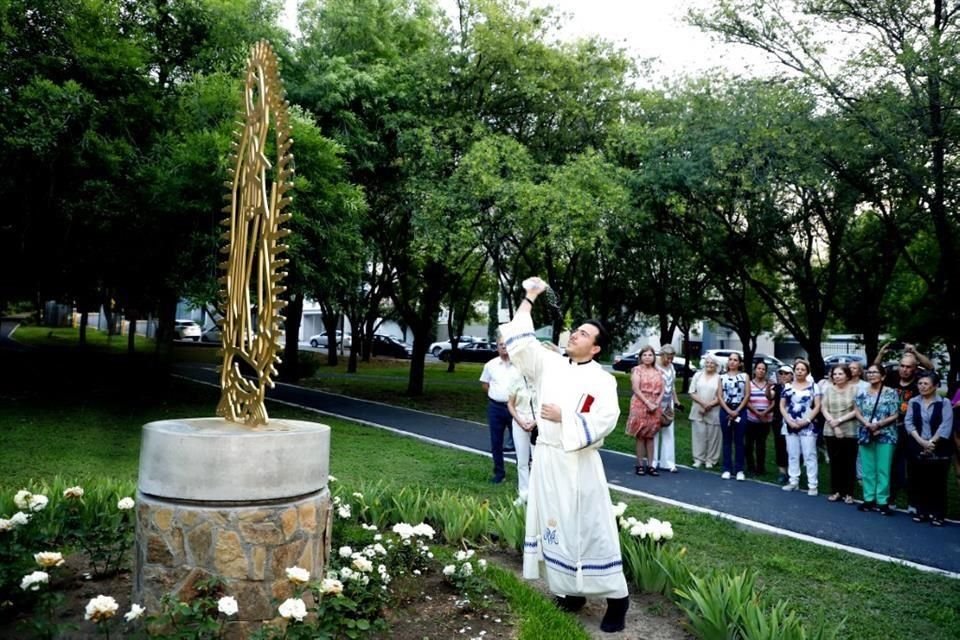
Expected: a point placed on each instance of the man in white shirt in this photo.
(571, 531)
(497, 379)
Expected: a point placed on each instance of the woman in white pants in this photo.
(521, 405)
(800, 404)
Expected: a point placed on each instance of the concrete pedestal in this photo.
(218, 498)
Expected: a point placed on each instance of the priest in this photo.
(571, 531)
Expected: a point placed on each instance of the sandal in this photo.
(848, 500)
(652, 471)
(639, 470)
(937, 522)
(834, 497)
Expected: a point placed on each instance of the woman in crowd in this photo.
(521, 405)
(705, 414)
(840, 432)
(732, 395)
(644, 419)
(759, 416)
(800, 404)
(877, 410)
(784, 377)
(929, 425)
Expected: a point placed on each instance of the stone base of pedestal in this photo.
(193, 521)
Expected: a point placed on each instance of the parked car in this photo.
(772, 362)
(437, 347)
(320, 340)
(389, 346)
(213, 334)
(186, 330)
(843, 358)
(628, 360)
(473, 352)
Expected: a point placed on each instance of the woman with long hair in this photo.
(644, 419)
(759, 417)
(800, 404)
(732, 395)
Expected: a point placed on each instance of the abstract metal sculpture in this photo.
(250, 302)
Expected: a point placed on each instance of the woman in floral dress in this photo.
(643, 423)
(877, 410)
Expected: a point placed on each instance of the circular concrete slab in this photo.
(211, 459)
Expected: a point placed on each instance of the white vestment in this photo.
(570, 527)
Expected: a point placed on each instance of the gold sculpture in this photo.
(251, 325)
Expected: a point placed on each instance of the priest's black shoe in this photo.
(570, 603)
(615, 619)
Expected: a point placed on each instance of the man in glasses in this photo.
(906, 387)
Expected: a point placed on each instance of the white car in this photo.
(721, 355)
(320, 340)
(186, 330)
(435, 348)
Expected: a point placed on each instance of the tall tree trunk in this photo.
(293, 315)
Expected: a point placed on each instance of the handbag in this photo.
(666, 417)
(536, 430)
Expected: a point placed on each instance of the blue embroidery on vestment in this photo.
(550, 536)
(615, 564)
(586, 429)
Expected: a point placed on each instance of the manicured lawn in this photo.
(79, 420)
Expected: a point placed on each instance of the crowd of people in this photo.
(890, 433)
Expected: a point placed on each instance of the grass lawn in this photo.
(75, 419)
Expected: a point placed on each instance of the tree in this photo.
(900, 87)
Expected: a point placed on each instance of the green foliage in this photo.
(198, 618)
(508, 523)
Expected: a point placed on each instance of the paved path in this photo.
(756, 504)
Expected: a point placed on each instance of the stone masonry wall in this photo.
(249, 547)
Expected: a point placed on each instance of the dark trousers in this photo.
(928, 486)
(498, 417)
(757, 433)
(843, 464)
(898, 468)
(732, 432)
(779, 444)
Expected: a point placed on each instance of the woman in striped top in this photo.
(759, 416)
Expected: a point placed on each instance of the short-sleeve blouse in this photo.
(734, 388)
(799, 403)
(887, 405)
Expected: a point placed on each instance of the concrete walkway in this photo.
(756, 504)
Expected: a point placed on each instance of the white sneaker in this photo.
(697, 464)
(740, 476)
(789, 487)
(725, 475)
(812, 492)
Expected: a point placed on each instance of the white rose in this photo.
(7, 525)
(482, 564)
(346, 573)
(20, 518)
(638, 530)
(344, 511)
(32, 581)
(466, 569)
(345, 552)
(73, 493)
(227, 605)
(378, 548)
(667, 531)
(449, 570)
(369, 527)
(362, 564)
(38, 502)
(125, 504)
(377, 537)
(403, 530)
(135, 612)
(293, 608)
(331, 587)
(22, 499)
(619, 509)
(423, 529)
(297, 575)
(101, 608)
(48, 559)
